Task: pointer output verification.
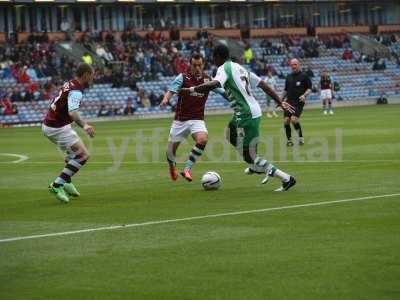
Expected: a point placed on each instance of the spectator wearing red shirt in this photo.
(180, 64)
(49, 91)
(347, 54)
(23, 76)
(9, 108)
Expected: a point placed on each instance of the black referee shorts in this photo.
(298, 109)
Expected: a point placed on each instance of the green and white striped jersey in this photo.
(237, 83)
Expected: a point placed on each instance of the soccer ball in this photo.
(211, 181)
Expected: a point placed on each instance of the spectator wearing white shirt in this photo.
(100, 51)
(271, 81)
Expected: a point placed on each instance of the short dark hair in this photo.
(222, 51)
(196, 56)
(82, 69)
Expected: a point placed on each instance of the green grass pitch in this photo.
(346, 250)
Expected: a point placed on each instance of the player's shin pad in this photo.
(263, 166)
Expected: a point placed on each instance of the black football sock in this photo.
(70, 169)
(288, 131)
(298, 129)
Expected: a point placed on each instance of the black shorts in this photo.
(298, 109)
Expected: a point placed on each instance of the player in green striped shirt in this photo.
(244, 128)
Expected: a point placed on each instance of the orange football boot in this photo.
(173, 173)
(187, 174)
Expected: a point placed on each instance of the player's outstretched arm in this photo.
(267, 89)
(202, 88)
(284, 94)
(167, 97)
(76, 117)
(172, 90)
(221, 92)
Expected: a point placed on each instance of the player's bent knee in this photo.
(201, 138)
(202, 141)
(83, 155)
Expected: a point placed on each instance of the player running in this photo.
(244, 127)
(326, 92)
(189, 117)
(64, 110)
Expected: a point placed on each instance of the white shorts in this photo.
(326, 94)
(181, 129)
(64, 137)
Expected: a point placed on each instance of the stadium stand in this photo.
(151, 64)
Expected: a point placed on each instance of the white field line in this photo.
(209, 162)
(158, 222)
(20, 157)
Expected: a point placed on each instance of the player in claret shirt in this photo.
(326, 92)
(189, 116)
(64, 110)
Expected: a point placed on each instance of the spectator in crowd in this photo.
(118, 111)
(110, 40)
(309, 48)
(129, 109)
(8, 107)
(5, 71)
(101, 51)
(248, 54)
(16, 95)
(379, 65)
(347, 54)
(22, 76)
(104, 111)
(28, 95)
(87, 58)
(145, 58)
(271, 81)
(180, 64)
(33, 88)
(309, 72)
(357, 56)
(117, 79)
(397, 57)
(31, 72)
(50, 91)
(155, 99)
(143, 99)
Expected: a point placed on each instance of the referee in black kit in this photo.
(297, 88)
